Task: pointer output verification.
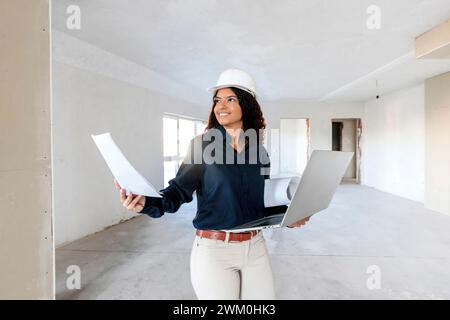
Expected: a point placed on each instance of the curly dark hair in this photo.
(252, 116)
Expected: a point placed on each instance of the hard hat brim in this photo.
(213, 89)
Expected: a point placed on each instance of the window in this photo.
(177, 133)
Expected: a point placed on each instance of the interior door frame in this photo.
(358, 148)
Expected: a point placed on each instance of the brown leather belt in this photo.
(222, 235)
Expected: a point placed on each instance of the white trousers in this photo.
(231, 270)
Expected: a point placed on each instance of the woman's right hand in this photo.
(132, 202)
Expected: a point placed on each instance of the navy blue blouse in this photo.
(229, 192)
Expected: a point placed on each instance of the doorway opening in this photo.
(294, 146)
(346, 136)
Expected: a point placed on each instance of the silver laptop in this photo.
(322, 175)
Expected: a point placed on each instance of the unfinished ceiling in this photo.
(296, 50)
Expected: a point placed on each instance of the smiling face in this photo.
(227, 109)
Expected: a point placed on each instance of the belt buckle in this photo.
(227, 236)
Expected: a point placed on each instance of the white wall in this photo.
(393, 143)
(437, 161)
(85, 103)
(320, 115)
(293, 145)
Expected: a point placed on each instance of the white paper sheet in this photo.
(279, 191)
(127, 176)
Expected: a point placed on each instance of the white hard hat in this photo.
(235, 78)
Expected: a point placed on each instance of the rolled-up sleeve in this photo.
(180, 189)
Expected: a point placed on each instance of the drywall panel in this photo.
(393, 143)
(26, 241)
(437, 145)
(434, 44)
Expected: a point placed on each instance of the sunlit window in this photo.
(177, 133)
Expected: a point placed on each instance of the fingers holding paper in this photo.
(132, 202)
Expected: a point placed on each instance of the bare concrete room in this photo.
(345, 76)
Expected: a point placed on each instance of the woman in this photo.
(224, 265)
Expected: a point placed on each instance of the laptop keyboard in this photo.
(266, 221)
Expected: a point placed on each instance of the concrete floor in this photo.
(148, 258)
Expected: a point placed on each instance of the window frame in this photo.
(179, 157)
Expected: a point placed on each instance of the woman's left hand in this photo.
(299, 223)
